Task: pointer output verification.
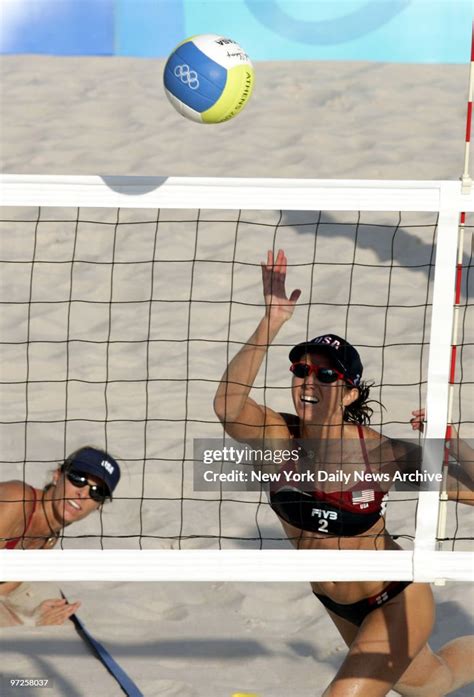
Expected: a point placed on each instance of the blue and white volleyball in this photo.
(208, 78)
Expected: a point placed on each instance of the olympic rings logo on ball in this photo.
(187, 76)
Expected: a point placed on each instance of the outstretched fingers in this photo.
(275, 265)
(274, 277)
(55, 611)
(281, 262)
(295, 295)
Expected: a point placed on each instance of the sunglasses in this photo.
(325, 375)
(97, 492)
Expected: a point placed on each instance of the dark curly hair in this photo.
(359, 412)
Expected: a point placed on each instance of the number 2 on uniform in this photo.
(323, 526)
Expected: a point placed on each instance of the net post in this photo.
(437, 398)
(466, 188)
(466, 181)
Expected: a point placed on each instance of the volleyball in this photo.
(208, 78)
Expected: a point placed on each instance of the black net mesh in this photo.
(118, 324)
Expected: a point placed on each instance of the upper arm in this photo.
(255, 422)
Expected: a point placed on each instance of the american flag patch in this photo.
(363, 496)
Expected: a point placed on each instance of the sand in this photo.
(109, 116)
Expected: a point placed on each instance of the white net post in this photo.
(438, 380)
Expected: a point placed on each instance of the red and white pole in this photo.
(466, 185)
(466, 179)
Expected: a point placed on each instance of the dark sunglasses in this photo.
(325, 375)
(97, 492)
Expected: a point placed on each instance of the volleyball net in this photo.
(123, 300)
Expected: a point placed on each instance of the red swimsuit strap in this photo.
(363, 446)
(360, 431)
(11, 544)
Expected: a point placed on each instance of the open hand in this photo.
(278, 306)
(55, 611)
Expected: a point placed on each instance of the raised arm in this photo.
(242, 417)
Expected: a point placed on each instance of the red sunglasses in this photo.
(325, 375)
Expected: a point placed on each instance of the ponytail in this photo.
(359, 411)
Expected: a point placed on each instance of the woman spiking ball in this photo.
(385, 624)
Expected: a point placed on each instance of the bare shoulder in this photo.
(14, 491)
(353, 431)
(379, 447)
(16, 496)
(16, 502)
(372, 434)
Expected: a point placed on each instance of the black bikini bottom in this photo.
(357, 612)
